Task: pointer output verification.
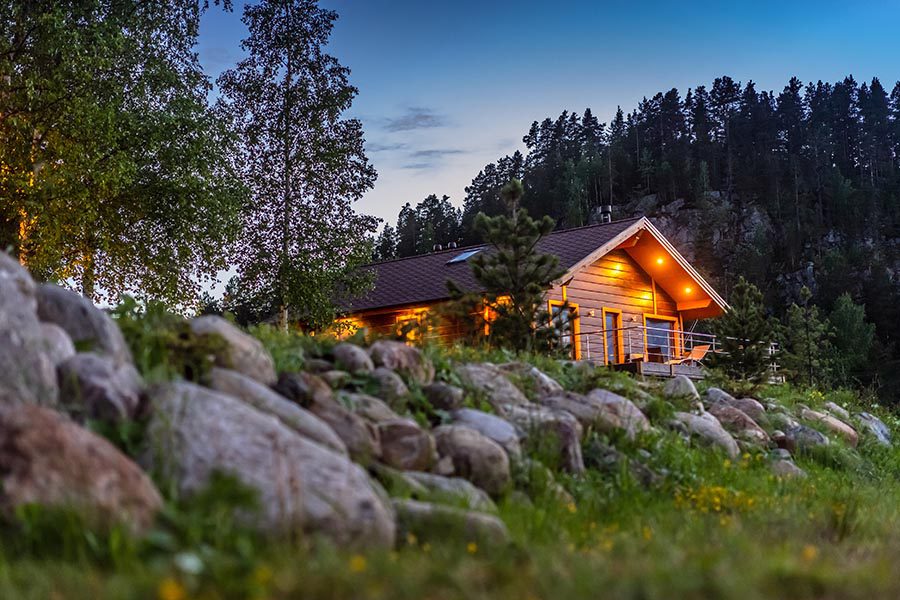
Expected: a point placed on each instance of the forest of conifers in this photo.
(786, 188)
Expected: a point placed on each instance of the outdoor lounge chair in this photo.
(695, 356)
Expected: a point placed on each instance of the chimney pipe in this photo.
(606, 213)
(436, 248)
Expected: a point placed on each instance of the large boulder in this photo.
(368, 407)
(352, 358)
(875, 427)
(95, 386)
(837, 410)
(443, 396)
(491, 426)
(266, 400)
(57, 344)
(752, 408)
(90, 328)
(406, 446)
(301, 485)
(489, 380)
(452, 490)
(681, 389)
(433, 522)
(802, 439)
(715, 394)
(27, 373)
(474, 457)
(738, 423)
(709, 430)
(240, 352)
(405, 359)
(310, 392)
(602, 410)
(557, 428)
(832, 424)
(541, 383)
(391, 387)
(47, 459)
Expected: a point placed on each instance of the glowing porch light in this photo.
(687, 290)
(659, 260)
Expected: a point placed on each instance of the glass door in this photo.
(660, 340)
(613, 336)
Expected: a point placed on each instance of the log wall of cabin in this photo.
(387, 322)
(615, 281)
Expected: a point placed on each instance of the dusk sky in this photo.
(446, 87)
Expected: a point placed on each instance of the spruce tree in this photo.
(805, 342)
(852, 341)
(514, 275)
(743, 336)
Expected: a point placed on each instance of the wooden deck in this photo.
(652, 369)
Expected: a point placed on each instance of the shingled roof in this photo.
(422, 279)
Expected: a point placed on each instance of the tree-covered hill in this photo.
(789, 188)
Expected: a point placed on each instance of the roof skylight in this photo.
(464, 256)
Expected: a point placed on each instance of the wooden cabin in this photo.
(632, 299)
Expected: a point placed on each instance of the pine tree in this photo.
(514, 275)
(385, 244)
(853, 339)
(743, 336)
(805, 342)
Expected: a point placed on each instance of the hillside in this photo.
(152, 456)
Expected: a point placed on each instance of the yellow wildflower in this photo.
(572, 508)
(426, 547)
(472, 548)
(809, 553)
(262, 574)
(171, 589)
(358, 563)
(648, 533)
(411, 539)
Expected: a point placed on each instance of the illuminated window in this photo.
(412, 324)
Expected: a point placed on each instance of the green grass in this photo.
(712, 528)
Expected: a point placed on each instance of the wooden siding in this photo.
(387, 322)
(617, 282)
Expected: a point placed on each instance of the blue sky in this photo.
(446, 87)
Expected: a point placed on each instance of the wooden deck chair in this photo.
(696, 356)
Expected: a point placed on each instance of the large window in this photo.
(661, 342)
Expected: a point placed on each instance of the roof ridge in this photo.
(471, 246)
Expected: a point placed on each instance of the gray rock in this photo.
(803, 439)
(831, 423)
(682, 388)
(406, 360)
(17, 289)
(57, 345)
(786, 469)
(301, 485)
(89, 328)
(352, 358)
(241, 352)
(488, 379)
(318, 365)
(264, 399)
(543, 384)
(453, 490)
(313, 394)
(443, 396)
(96, 387)
(491, 426)
(560, 428)
(336, 379)
(608, 460)
(836, 410)
(782, 421)
(391, 387)
(368, 407)
(474, 457)
(406, 446)
(50, 461)
(874, 426)
(434, 522)
(737, 422)
(715, 394)
(752, 408)
(708, 429)
(602, 410)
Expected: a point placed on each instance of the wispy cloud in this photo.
(376, 147)
(415, 117)
(436, 153)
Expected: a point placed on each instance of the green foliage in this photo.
(744, 335)
(515, 276)
(115, 171)
(162, 343)
(303, 164)
(853, 339)
(805, 343)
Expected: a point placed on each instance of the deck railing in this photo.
(633, 343)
